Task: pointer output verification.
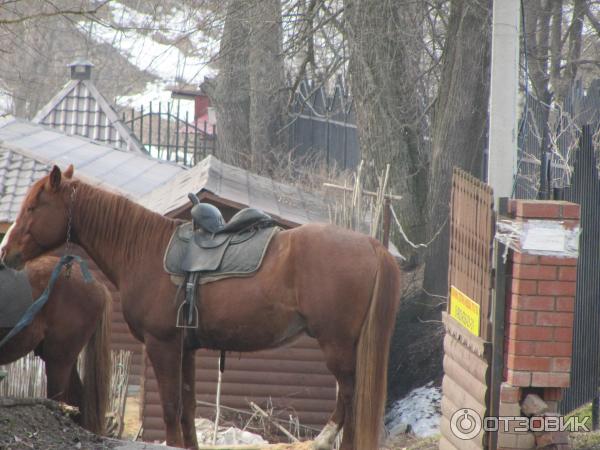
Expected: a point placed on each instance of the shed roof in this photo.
(80, 109)
(28, 151)
(237, 187)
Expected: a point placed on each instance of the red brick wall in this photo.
(540, 306)
(539, 325)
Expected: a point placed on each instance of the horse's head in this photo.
(42, 222)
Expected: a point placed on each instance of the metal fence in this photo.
(585, 190)
(320, 126)
(324, 126)
(166, 135)
(557, 160)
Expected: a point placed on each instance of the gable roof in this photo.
(239, 188)
(80, 109)
(28, 151)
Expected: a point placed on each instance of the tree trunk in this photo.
(383, 82)
(459, 124)
(267, 85)
(230, 94)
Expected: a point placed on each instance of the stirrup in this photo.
(192, 319)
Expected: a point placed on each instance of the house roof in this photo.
(17, 173)
(236, 187)
(79, 109)
(28, 151)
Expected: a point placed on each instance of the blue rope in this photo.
(36, 306)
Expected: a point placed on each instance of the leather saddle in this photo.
(208, 249)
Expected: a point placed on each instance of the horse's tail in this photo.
(97, 372)
(373, 353)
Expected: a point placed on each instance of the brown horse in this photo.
(77, 314)
(338, 286)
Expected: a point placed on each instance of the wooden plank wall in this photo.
(465, 383)
(293, 379)
(122, 339)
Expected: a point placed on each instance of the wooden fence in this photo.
(467, 346)
(471, 227)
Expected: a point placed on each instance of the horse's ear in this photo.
(54, 178)
(68, 173)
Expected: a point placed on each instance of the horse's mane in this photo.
(111, 219)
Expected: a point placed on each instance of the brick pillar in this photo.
(539, 322)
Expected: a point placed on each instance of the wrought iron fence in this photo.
(557, 160)
(167, 135)
(324, 126)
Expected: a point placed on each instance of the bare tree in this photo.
(230, 92)
(459, 123)
(39, 39)
(385, 68)
(250, 91)
(267, 84)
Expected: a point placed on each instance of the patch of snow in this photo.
(225, 435)
(157, 92)
(137, 37)
(419, 410)
(6, 102)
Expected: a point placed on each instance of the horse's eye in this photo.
(31, 209)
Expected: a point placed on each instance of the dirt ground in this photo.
(37, 424)
(40, 424)
(416, 350)
(132, 420)
(416, 358)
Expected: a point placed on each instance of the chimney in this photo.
(81, 69)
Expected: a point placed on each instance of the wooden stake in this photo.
(367, 193)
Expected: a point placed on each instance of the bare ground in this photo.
(416, 350)
(43, 424)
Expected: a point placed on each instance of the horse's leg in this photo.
(340, 361)
(188, 394)
(165, 357)
(75, 391)
(58, 375)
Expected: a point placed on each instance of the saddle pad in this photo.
(15, 296)
(241, 254)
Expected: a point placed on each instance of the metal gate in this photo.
(585, 190)
(568, 170)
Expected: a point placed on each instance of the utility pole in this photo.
(502, 163)
(502, 160)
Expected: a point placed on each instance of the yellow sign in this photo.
(464, 310)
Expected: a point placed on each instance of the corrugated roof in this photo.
(239, 186)
(80, 109)
(28, 151)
